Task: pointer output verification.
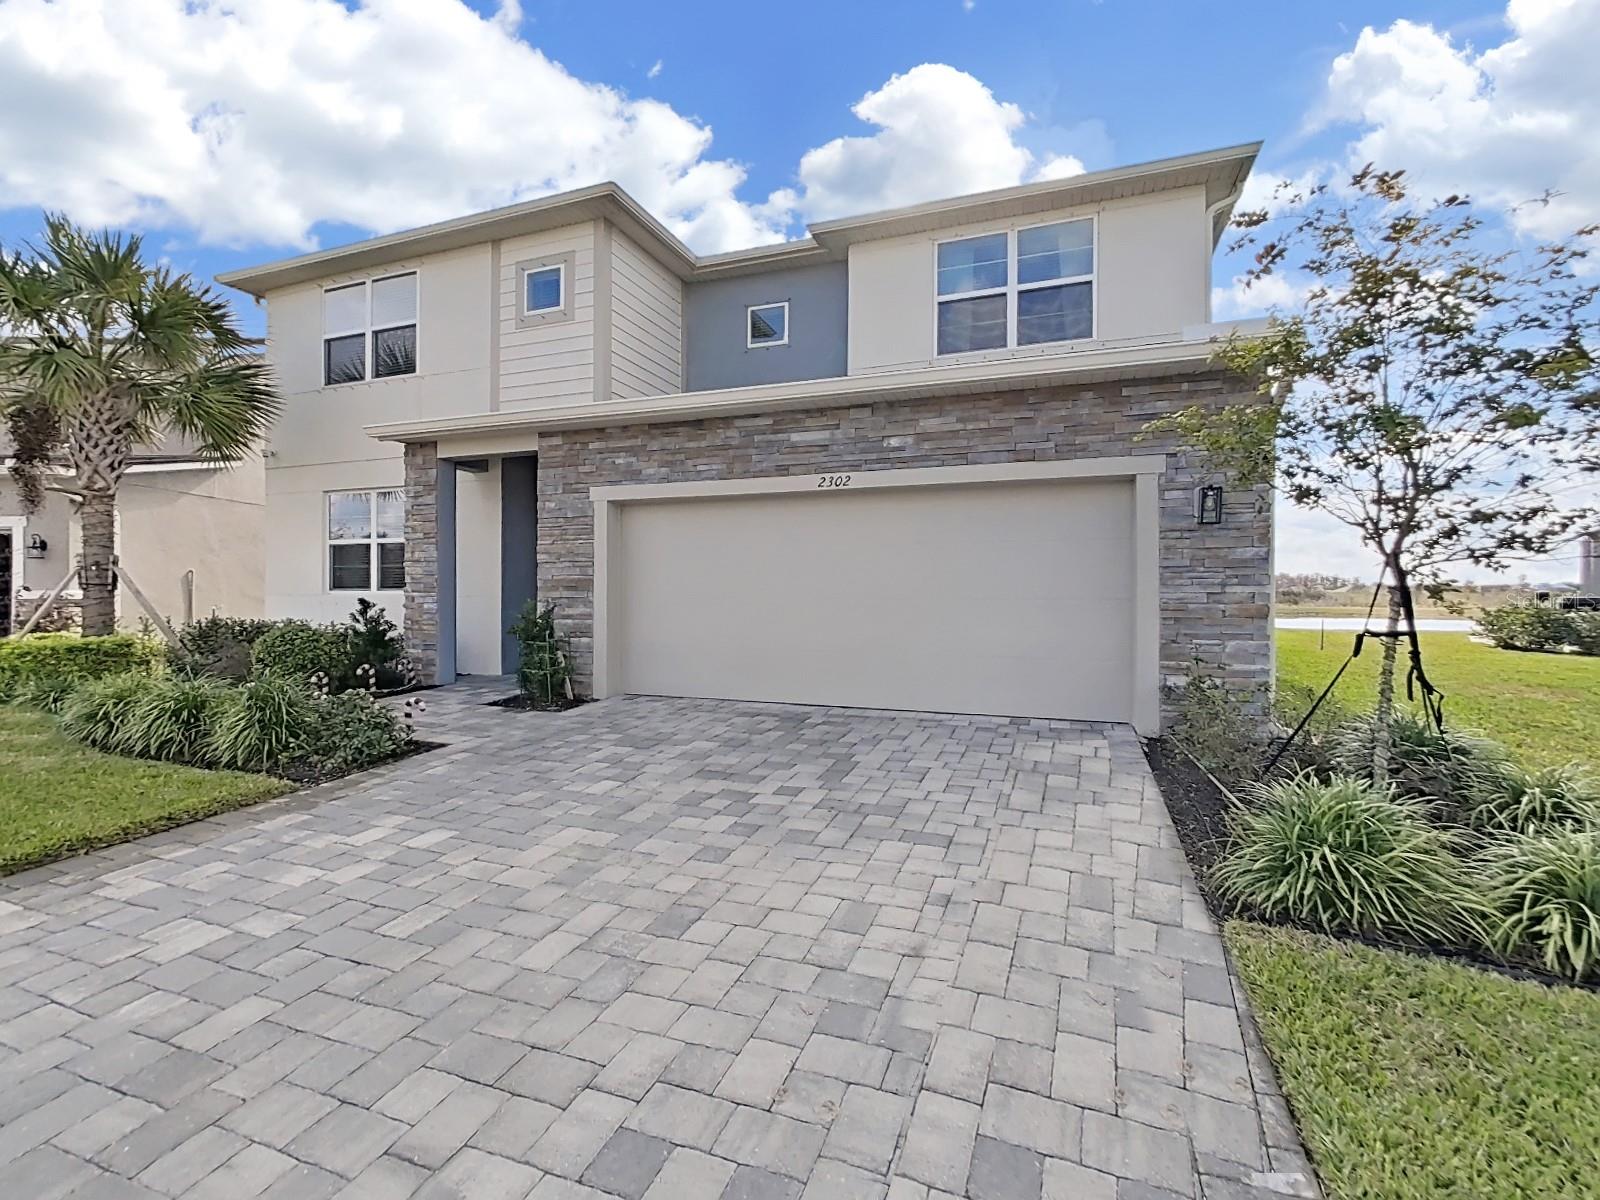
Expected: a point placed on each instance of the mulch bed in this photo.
(306, 776)
(520, 703)
(1199, 810)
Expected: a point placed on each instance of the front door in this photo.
(7, 584)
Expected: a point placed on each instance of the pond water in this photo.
(1351, 624)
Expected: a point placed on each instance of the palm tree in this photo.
(101, 351)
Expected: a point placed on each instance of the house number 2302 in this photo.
(833, 481)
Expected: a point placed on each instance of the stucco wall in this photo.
(715, 327)
(1152, 278)
(1215, 581)
(51, 522)
(478, 570)
(210, 522)
(319, 446)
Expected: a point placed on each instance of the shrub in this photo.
(1213, 722)
(1550, 798)
(543, 672)
(350, 731)
(1313, 750)
(1343, 857)
(218, 647)
(68, 656)
(99, 712)
(1444, 767)
(259, 724)
(297, 650)
(1545, 892)
(47, 693)
(173, 720)
(1526, 625)
(1584, 635)
(375, 641)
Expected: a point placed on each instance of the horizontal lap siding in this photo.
(550, 363)
(646, 324)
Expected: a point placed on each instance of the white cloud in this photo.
(1270, 293)
(654, 71)
(1504, 124)
(940, 132)
(252, 121)
(508, 15)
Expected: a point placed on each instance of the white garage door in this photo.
(999, 598)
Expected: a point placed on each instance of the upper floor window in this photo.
(371, 322)
(543, 289)
(767, 325)
(366, 541)
(1018, 288)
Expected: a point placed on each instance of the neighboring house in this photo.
(896, 464)
(177, 513)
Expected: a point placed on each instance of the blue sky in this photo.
(235, 132)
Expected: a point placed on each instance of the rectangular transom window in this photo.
(543, 290)
(1018, 288)
(369, 329)
(767, 325)
(366, 541)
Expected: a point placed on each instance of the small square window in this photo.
(543, 290)
(769, 325)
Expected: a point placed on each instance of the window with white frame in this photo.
(544, 290)
(369, 329)
(366, 541)
(767, 325)
(1017, 288)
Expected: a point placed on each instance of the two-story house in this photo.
(895, 464)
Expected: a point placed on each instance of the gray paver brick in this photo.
(770, 1141)
(868, 1128)
(680, 1116)
(759, 948)
(1001, 1171)
(627, 1164)
(938, 1144)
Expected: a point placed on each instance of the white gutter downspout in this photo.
(1211, 219)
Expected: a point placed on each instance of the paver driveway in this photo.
(654, 948)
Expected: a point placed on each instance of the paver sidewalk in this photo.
(648, 948)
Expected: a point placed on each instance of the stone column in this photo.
(422, 559)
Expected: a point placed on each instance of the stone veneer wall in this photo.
(1216, 580)
(422, 559)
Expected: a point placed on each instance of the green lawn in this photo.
(59, 798)
(1414, 1079)
(1546, 707)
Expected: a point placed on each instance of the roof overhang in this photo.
(1195, 352)
(1221, 172)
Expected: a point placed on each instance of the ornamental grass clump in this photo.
(259, 724)
(1540, 801)
(1544, 890)
(1343, 856)
(99, 712)
(172, 720)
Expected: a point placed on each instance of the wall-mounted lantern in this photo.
(36, 547)
(1208, 504)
